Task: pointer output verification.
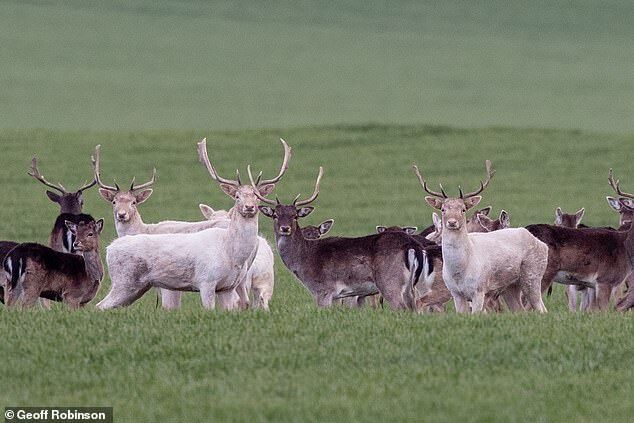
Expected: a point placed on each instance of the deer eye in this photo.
(90, 234)
(134, 203)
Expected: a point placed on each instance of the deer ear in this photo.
(410, 230)
(559, 216)
(107, 195)
(267, 211)
(472, 201)
(614, 203)
(143, 195)
(437, 222)
(579, 215)
(628, 202)
(505, 219)
(305, 211)
(434, 202)
(325, 226)
(380, 229)
(53, 197)
(266, 189)
(207, 211)
(99, 226)
(485, 211)
(71, 227)
(228, 189)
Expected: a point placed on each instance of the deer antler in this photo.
(256, 191)
(95, 165)
(315, 192)
(145, 185)
(615, 186)
(34, 172)
(287, 157)
(204, 159)
(483, 185)
(423, 183)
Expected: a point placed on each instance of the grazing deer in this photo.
(70, 203)
(333, 268)
(37, 271)
(591, 256)
(587, 294)
(128, 221)
(508, 261)
(213, 262)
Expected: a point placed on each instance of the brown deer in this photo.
(71, 205)
(34, 270)
(506, 262)
(334, 267)
(316, 232)
(594, 257)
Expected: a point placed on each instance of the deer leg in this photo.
(324, 299)
(228, 300)
(512, 298)
(603, 296)
(588, 296)
(170, 300)
(477, 302)
(571, 293)
(208, 295)
(461, 303)
(45, 303)
(122, 295)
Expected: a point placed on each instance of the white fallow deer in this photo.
(128, 221)
(509, 261)
(213, 262)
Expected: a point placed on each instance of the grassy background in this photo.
(297, 362)
(143, 64)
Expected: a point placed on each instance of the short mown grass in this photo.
(299, 363)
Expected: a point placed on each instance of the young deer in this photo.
(128, 221)
(594, 257)
(587, 294)
(333, 268)
(70, 203)
(213, 262)
(34, 270)
(507, 261)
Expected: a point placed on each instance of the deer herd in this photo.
(482, 263)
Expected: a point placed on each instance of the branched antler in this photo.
(423, 183)
(615, 186)
(483, 185)
(34, 172)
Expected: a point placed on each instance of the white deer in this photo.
(213, 262)
(509, 261)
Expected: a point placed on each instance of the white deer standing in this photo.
(509, 261)
(213, 262)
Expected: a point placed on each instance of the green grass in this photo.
(249, 64)
(298, 363)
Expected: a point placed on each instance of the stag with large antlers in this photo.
(506, 262)
(333, 268)
(596, 257)
(213, 261)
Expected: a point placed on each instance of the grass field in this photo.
(163, 64)
(298, 363)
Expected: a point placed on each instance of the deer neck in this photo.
(243, 234)
(457, 250)
(292, 248)
(93, 265)
(134, 226)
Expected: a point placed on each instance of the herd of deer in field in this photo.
(481, 263)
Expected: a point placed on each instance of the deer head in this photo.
(86, 235)
(316, 232)
(124, 202)
(454, 209)
(69, 202)
(285, 217)
(246, 200)
(568, 220)
(489, 225)
(624, 205)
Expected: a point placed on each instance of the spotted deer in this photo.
(213, 262)
(333, 268)
(597, 257)
(34, 270)
(506, 262)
